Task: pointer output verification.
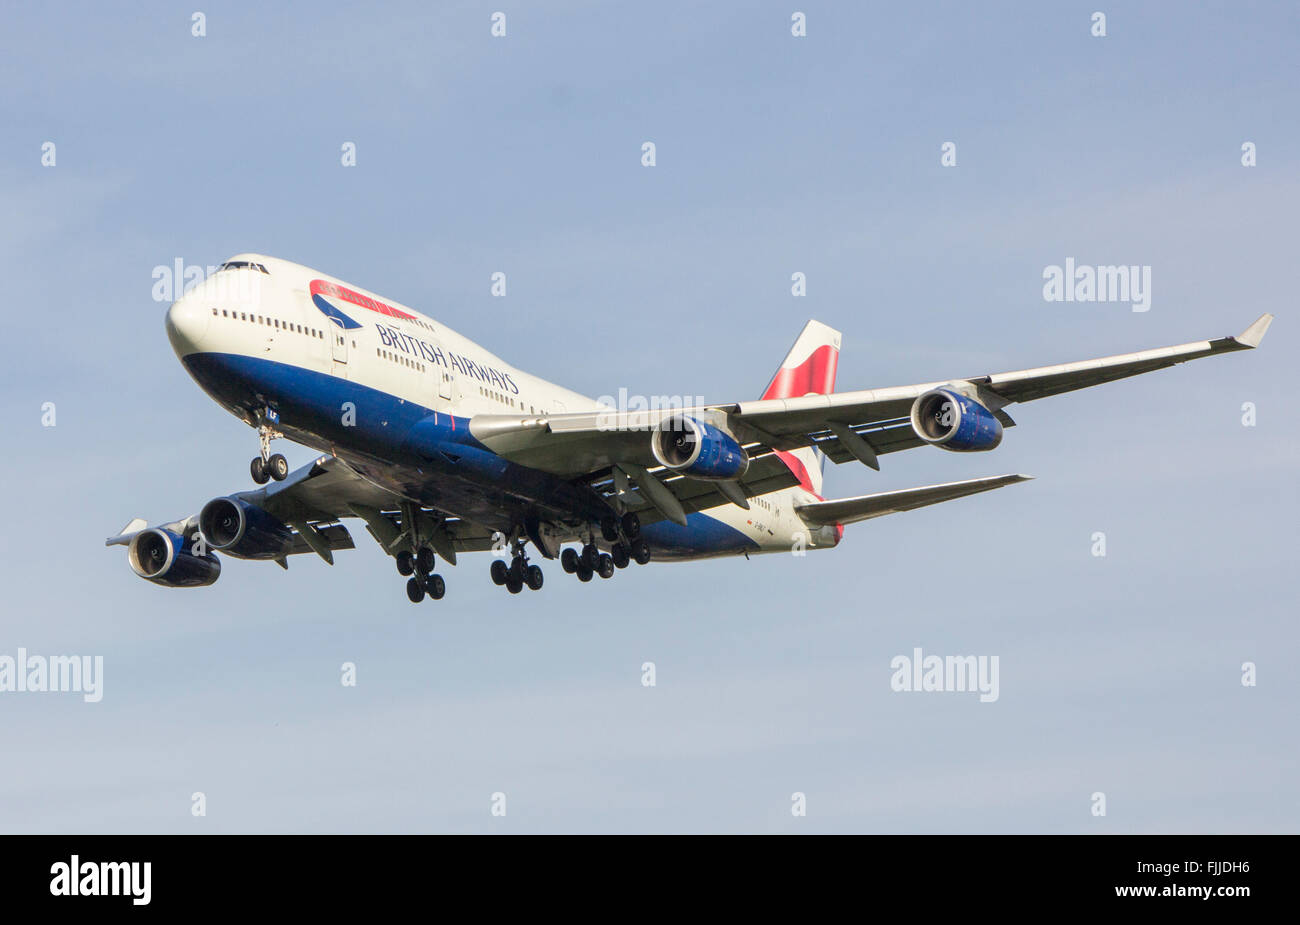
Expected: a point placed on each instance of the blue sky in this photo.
(775, 154)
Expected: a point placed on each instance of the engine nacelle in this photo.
(699, 450)
(167, 559)
(244, 530)
(950, 420)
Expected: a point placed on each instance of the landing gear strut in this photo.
(267, 466)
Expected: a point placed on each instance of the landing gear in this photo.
(416, 560)
(626, 546)
(519, 574)
(419, 565)
(266, 466)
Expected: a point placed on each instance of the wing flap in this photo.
(766, 473)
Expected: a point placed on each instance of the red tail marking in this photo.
(815, 374)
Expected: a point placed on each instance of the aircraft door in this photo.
(338, 349)
(448, 389)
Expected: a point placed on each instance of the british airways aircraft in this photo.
(441, 448)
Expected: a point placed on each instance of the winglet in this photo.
(124, 535)
(1252, 336)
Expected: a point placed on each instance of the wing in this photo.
(314, 498)
(843, 425)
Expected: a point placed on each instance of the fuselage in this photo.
(391, 391)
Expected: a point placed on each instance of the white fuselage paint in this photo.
(217, 316)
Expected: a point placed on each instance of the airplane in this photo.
(441, 448)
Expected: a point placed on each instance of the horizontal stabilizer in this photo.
(865, 507)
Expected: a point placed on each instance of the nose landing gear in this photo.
(267, 466)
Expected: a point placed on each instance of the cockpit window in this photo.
(242, 265)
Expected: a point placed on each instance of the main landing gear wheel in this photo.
(514, 584)
(405, 562)
(533, 577)
(277, 466)
(620, 554)
(424, 560)
(590, 556)
(569, 559)
(641, 552)
(500, 571)
(631, 525)
(257, 469)
(605, 566)
(435, 587)
(414, 590)
(609, 529)
(584, 573)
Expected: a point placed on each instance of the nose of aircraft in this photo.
(187, 322)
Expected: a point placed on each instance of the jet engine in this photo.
(244, 530)
(699, 450)
(167, 559)
(954, 422)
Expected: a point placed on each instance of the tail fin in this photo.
(808, 369)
